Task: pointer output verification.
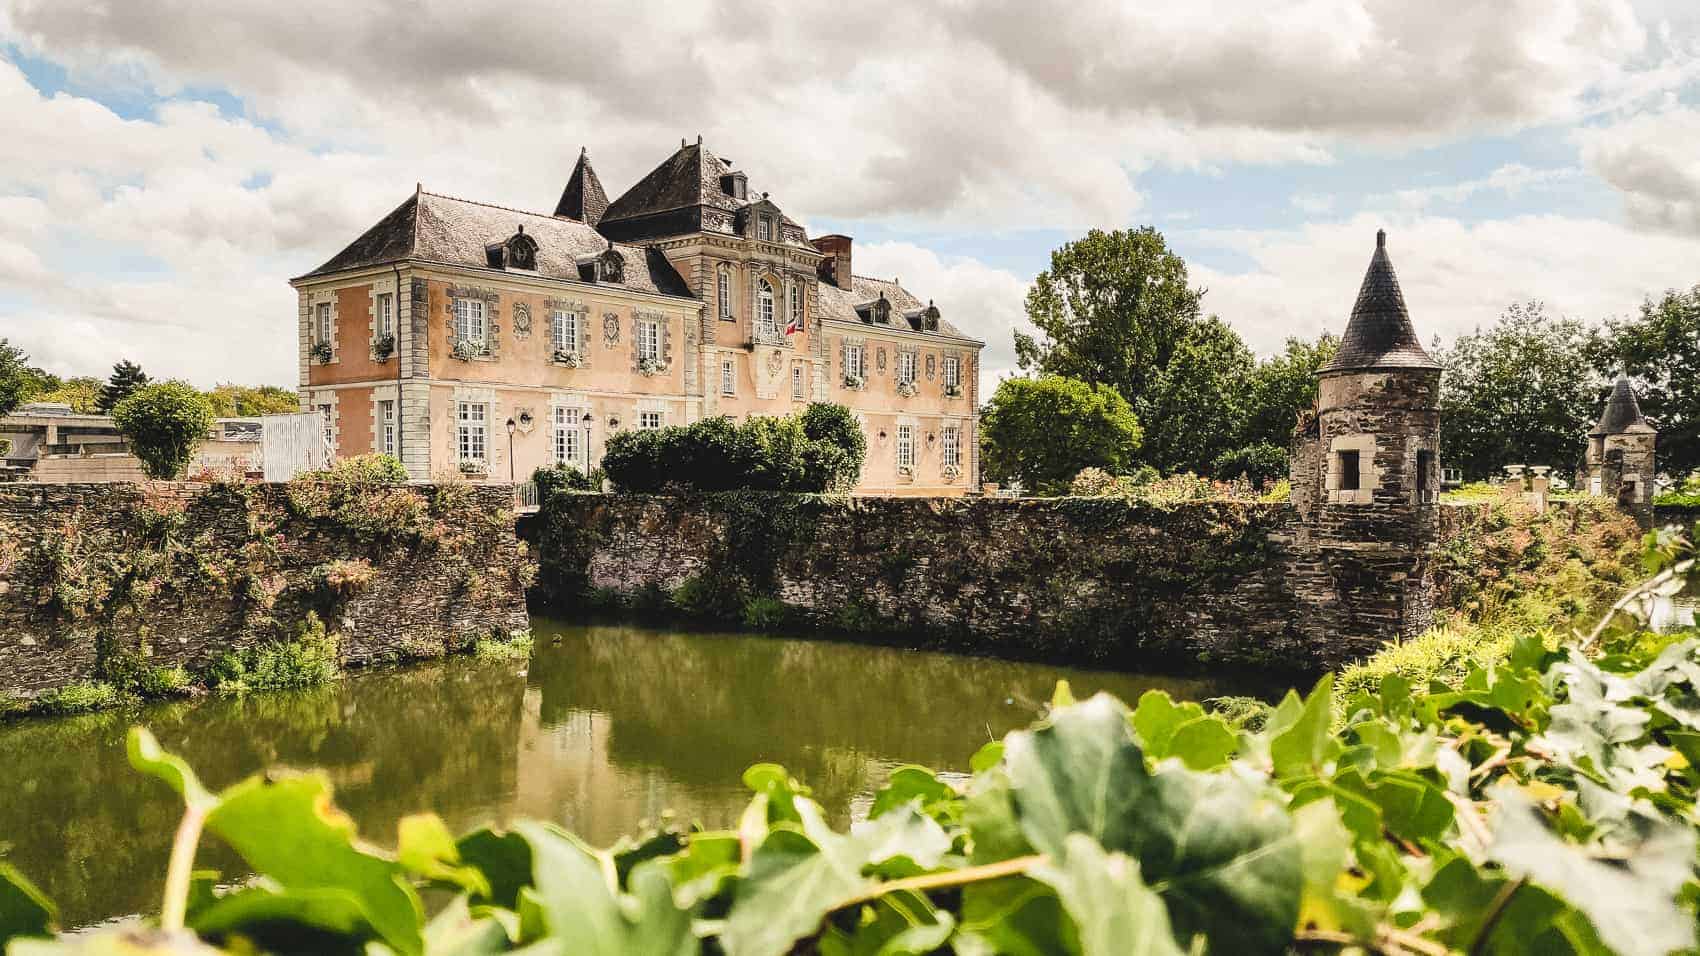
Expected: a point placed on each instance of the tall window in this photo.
(728, 377)
(568, 439)
(649, 420)
(764, 228)
(723, 289)
(386, 426)
(470, 324)
(906, 367)
(385, 314)
(764, 309)
(854, 361)
(649, 340)
(1350, 476)
(326, 421)
(952, 371)
(322, 323)
(905, 446)
(797, 305)
(564, 327)
(469, 430)
(797, 381)
(950, 446)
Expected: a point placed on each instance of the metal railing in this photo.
(525, 497)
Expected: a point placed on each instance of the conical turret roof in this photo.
(1622, 413)
(583, 199)
(1379, 334)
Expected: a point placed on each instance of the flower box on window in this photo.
(953, 391)
(568, 357)
(907, 389)
(465, 349)
(852, 380)
(649, 365)
(906, 471)
(321, 351)
(951, 472)
(473, 466)
(383, 347)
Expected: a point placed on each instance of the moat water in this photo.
(605, 727)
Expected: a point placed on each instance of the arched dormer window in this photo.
(723, 290)
(764, 309)
(522, 251)
(611, 266)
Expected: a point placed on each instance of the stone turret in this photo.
(1366, 473)
(1620, 461)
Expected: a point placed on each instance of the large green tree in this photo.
(1044, 431)
(1281, 388)
(1521, 391)
(16, 378)
(127, 376)
(1116, 309)
(164, 423)
(1660, 350)
(248, 401)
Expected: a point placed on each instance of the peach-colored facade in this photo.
(451, 320)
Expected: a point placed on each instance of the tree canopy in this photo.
(1044, 431)
(164, 423)
(126, 377)
(16, 380)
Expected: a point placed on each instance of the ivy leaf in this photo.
(911, 783)
(1217, 848)
(24, 909)
(259, 912)
(1629, 897)
(580, 904)
(885, 930)
(1300, 743)
(1530, 922)
(285, 827)
(1167, 729)
(425, 847)
(1114, 912)
(1324, 852)
(150, 758)
(902, 842)
(700, 872)
(456, 932)
(1013, 916)
(795, 877)
(503, 859)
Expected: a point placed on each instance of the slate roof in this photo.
(836, 303)
(1379, 334)
(434, 228)
(689, 177)
(584, 198)
(1622, 412)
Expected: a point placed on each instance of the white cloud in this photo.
(1512, 179)
(1651, 160)
(1314, 204)
(984, 302)
(1455, 275)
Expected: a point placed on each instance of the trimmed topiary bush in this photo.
(763, 453)
(164, 423)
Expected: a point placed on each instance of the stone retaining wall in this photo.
(1098, 580)
(180, 573)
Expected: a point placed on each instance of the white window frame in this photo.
(723, 279)
(564, 330)
(905, 449)
(650, 419)
(385, 324)
(797, 382)
(649, 340)
(327, 418)
(952, 371)
(322, 324)
(728, 376)
(855, 360)
(797, 305)
(472, 420)
(906, 362)
(950, 445)
(472, 322)
(764, 228)
(568, 441)
(386, 426)
(767, 320)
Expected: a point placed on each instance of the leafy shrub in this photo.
(552, 478)
(709, 597)
(307, 661)
(129, 673)
(362, 471)
(516, 647)
(717, 454)
(343, 577)
(1044, 431)
(78, 698)
(1260, 464)
(765, 613)
(163, 424)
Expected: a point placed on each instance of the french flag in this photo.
(792, 327)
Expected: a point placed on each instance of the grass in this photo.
(517, 647)
(307, 661)
(78, 698)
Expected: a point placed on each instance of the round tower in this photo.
(1378, 414)
(1620, 460)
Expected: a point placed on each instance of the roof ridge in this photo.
(491, 205)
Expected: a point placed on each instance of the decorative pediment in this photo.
(518, 251)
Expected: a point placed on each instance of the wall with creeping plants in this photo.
(120, 584)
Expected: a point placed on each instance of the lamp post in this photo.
(510, 451)
(587, 420)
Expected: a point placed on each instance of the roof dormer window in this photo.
(764, 228)
(519, 251)
(735, 184)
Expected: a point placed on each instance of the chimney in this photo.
(835, 268)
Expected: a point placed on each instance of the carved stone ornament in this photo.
(775, 361)
(610, 329)
(929, 364)
(522, 320)
(525, 419)
(879, 359)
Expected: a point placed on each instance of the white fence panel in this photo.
(291, 444)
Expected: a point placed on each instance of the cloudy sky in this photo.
(166, 165)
